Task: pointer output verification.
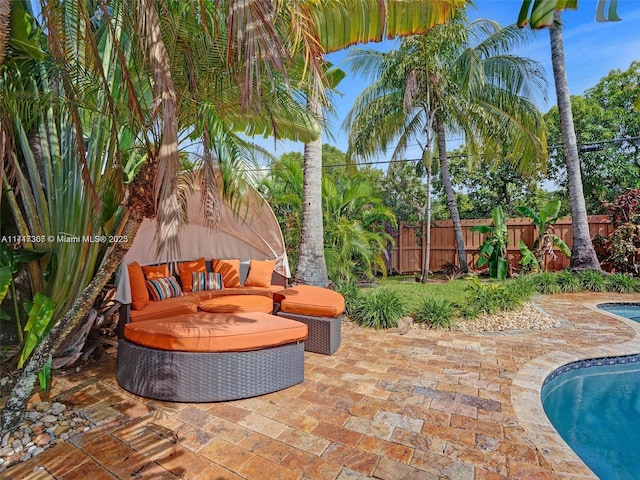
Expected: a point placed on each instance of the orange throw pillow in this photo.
(139, 292)
(230, 270)
(260, 273)
(186, 271)
(153, 272)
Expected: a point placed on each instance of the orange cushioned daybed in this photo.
(208, 332)
(204, 357)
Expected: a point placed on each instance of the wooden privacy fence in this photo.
(407, 255)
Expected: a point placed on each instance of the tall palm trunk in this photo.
(583, 255)
(448, 190)
(427, 220)
(312, 268)
(5, 17)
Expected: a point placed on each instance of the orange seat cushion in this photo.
(207, 332)
(230, 270)
(310, 300)
(244, 290)
(238, 304)
(260, 273)
(166, 308)
(139, 292)
(153, 272)
(186, 270)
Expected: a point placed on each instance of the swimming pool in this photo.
(595, 407)
(627, 310)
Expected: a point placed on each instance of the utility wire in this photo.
(582, 147)
(585, 147)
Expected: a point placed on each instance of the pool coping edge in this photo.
(527, 401)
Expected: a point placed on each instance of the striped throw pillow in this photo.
(161, 288)
(206, 281)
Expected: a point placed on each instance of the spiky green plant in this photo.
(435, 312)
(378, 308)
(593, 280)
(623, 283)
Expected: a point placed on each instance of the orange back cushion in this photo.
(186, 271)
(230, 270)
(260, 273)
(139, 293)
(153, 272)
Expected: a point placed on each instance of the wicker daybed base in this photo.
(208, 376)
(324, 332)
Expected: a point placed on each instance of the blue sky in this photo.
(592, 50)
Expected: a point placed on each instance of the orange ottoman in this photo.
(320, 309)
(238, 304)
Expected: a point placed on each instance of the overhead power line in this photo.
(582, 147)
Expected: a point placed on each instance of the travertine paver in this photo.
(426, 405)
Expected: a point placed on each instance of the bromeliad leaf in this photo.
(40, 316)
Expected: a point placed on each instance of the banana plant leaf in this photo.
(563, 247)
(486, 252)
(482, 229)
(528, 259)
(499, 269)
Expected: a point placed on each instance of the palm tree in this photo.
(282, 189)
(458, 76)
(180, 67)
(344, 23)
(583, 255)
(122, 48)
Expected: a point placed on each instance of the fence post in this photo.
(400, 256)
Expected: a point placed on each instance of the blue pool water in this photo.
(627, 310)
(595, 406)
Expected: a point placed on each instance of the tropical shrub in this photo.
(568, 281)
(492, 297)
(623, 283)
(593, 280)
(354, 218)
(355, 236)
(469, 311)
(620, 251)
(378, 308)
(350, 291)
(545, 283)
(435, 312)
(493, 250)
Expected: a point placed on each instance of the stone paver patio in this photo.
(427, 405)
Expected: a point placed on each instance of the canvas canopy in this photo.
(251, 233)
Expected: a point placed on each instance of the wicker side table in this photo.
(325, 333)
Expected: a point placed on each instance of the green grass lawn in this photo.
(413, 293)
(440, 302)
